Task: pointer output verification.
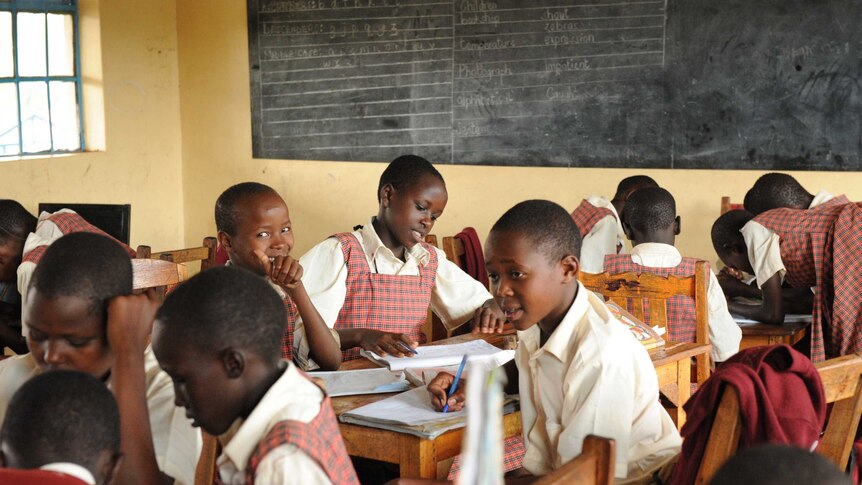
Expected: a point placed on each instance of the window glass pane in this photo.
(6, 67)
(31, 44)
(35, 122)
(8, 119)
(64, 116)
(61, 46)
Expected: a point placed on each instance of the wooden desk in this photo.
(418, 457)
(754, 334)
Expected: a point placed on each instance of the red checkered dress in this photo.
(587, 215)
(837, 200)
(320, 439)
(681, 325)
(813, 242)
(69, 222)
(287, 338)
(513, 457)
(389, 303)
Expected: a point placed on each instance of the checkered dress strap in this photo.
(587, 215)
(389, 303)
(681, 316)
(320, 439)
(805, 240)
(67, 223)
(287, 339)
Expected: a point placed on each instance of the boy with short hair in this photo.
(61, 427)
(82, 316)
(776, 190)
(599, 222)
(808, 248)
(218, 337)
(374, 285)
(254, 227)
(652, 224)
(580, 371)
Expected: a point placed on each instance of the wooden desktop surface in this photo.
(418, 457)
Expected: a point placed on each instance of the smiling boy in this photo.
(580, 371)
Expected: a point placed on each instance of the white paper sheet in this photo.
(365, 381)
(445, 355)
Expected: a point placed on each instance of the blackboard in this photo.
(759, 84)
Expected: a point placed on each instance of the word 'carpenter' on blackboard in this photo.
(653, 83)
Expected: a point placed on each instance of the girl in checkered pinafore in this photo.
(392, 275)
(819, 248)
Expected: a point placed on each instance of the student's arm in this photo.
(286, 272)
(439, 388)
(130, 321)
(724, 333)
(771, 308)
(381, 343)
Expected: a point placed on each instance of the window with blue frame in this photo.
(40, 78)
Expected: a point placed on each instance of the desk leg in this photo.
(683, 382)
(418, 458)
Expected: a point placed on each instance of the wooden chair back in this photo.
(205, 253)
(206, 470)
(727, 205)
(454, 249)
(156, 273)
(842, 384)
(623, 288)
(594, 466)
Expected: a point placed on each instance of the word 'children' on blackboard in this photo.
(562, 83)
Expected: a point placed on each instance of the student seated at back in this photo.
(374, 285)
(579, 370)
(651, 224)
(599, 221)
(30, 237)
(16, 223)
(218, 336)
(807, 248)
(254, 228)
(82, 316)
(776, 190)
(62, 427)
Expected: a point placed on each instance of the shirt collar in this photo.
(372, 244)
(820, 198)
(72, 469)
(657, 255)
(559, 344)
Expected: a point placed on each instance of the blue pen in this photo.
(454, 386)
(409, 348)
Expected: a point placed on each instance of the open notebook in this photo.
(444, 355)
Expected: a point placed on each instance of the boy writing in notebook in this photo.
(651, 224)
(599, 222)
(374, 285)
(62, 427)
(254, 228)
(82, 316)
(807, 248)
(218, 337)
(579, 370)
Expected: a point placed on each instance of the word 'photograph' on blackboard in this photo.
(659, 84)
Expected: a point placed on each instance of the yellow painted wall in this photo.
(325, 197)
(129, 57)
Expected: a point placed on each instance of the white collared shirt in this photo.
(177, 444)
(603, 238)
(724, 333)
(591, 377)
(764, 252)
(292, 397)
(71, 469)
(455, 297)
(822, 197)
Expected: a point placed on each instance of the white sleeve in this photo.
(287, 465)
(324, 275)
(456, 294)
(601, 240)
(724, 333)
(764, 252)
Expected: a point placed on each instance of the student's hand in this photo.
(731, 285)
(489, 318)
(284, 271)
(130, 322)
(439, 389)
(729, 272)
(385, 343)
